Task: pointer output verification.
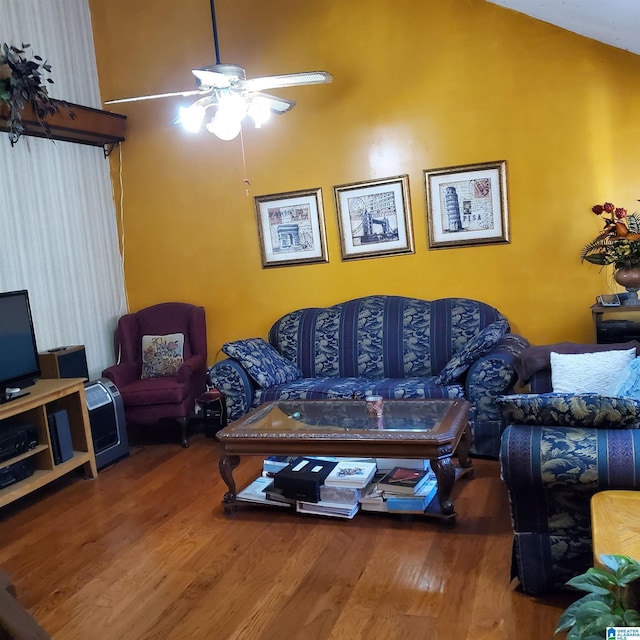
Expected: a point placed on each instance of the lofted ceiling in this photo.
(614, 22)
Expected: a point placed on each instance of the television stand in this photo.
(8, 397)
(45, 397)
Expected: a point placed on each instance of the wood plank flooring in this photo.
(145, 551)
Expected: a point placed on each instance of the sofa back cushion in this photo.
(380, 336)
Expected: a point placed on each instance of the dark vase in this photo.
(629, 278)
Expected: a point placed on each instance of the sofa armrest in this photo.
(229, 377)
(122, 374)
(550, 474)
(494, 374)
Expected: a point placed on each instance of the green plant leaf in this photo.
(568, 618)
(595, 580)
(631, 618)
(596, 258)
(590, 611)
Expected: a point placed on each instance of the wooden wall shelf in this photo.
(90, 126)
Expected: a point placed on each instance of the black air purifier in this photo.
(106, 417)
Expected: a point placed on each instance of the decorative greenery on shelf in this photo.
(22, 81)
(611, 599)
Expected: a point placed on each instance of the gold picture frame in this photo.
(291, 228)
(467, 205)
(374, 218)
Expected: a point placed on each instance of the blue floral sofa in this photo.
(393, 346)
(557, 452)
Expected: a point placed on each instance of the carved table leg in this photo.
(445, 476)
(463, 448)
(226, 465)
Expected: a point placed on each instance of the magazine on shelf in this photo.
(372, 499)
(325, 508)
(255, 493)
(343, 495)
(351, 474)
(276, 495)
(416, 503)
(404, 480)
(273, 464)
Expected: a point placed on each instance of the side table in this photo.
(615, 524)
(616, 324)
(213, 405)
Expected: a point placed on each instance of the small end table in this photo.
(213, 405)
(615, 524)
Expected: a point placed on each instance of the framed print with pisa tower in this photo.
(467, 205)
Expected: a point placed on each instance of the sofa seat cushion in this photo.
(313, 389)
(421, 387)
(149, 391)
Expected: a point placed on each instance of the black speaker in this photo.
(64, 362)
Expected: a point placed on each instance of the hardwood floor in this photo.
(146, 551)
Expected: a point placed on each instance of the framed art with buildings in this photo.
(374, 218)
(467, 205)
(291, 228)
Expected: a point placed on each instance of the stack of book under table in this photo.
(340, 487)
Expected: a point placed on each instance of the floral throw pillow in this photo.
(262, 362)
(571, 410)
(162, 355)
(474, 349)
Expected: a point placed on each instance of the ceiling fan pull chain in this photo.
(244, 164)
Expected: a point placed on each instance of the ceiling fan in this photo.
(227, 88)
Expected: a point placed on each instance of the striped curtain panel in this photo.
(58, 232)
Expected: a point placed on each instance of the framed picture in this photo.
(374, 218)
(467, 205)
(291, 228)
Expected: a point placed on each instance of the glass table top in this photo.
(339, 416)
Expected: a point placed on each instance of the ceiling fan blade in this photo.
(287, 80)
(276, 104)
(193, 92)
(213, 79)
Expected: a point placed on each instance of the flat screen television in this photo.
(19, 364)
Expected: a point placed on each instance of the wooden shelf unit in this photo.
(89, 126)
(46, 396)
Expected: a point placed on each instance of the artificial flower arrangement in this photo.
(619, 242)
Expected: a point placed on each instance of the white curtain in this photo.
(58, 233)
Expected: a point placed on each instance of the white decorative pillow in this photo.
(162, 355)
(587, 372)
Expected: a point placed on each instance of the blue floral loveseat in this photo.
(392, 346)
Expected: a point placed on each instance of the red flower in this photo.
(608, 207)
(620, 213)
(598, 209)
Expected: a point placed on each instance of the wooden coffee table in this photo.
(615, 524)
(432, 429)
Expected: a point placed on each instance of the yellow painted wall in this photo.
(418, 84)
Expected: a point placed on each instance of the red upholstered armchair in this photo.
(172, 392)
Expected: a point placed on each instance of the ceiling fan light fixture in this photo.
(225, 125)
(259, 111)
(191, 117)
(234, 105)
